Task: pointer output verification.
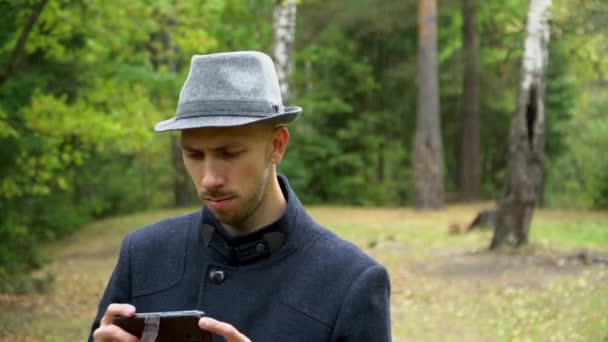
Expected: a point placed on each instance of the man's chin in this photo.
(221, 216)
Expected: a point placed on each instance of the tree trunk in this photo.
(183, 189)
(427, 154)
(284, 31)
(469, 144)
(524, 175)
(20, 45)
(184, 193)
(182, 185)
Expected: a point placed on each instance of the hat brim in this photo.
(224, 120)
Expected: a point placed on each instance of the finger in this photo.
(125, 310)
(225, 330)
(113, 333)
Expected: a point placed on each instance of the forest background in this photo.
(78, 103)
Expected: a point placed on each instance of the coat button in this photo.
(260, 248)
(217, 276)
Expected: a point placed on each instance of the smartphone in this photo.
(174, 326)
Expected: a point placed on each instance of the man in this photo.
(252, 259)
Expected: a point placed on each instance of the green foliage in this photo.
(76, 114)
(580, 176)
(381, 103)
(577, 175)
(358, 126)
(336, 137)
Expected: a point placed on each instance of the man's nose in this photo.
(212, 177)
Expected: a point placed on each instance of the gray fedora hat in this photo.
(230, 89)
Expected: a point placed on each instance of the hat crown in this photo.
(230, 89)
(232, 77)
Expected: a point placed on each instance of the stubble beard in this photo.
(243, 216)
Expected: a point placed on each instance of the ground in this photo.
(444, 287)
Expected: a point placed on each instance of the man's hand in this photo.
(225, 330)
(110, 332)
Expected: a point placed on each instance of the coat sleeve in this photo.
(118, 289)
(365, 312)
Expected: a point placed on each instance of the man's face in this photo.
(231, 168)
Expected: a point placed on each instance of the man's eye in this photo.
(230, 154)
(195, 155)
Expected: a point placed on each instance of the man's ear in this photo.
(280, 138)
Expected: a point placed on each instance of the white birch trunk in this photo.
(523, 180)
(284, 31)
(536, 50)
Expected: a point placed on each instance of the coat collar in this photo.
(258, 245)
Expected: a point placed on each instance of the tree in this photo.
(284, 31)
(523, 180)
(469, 176)
(163, 55)
(76, 109)
(427, 155)
(20, 46)
(579, 65)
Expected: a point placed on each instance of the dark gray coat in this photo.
(315, 287)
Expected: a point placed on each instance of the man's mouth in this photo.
(219, 203)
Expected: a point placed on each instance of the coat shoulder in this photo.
(158, 253)
(327, 265)
(341, 252)
(164, 228)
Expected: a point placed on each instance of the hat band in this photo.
(196, 108)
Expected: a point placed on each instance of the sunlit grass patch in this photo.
(589, 232)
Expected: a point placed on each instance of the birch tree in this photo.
(284, 31)
(427, 154)
(524, 175)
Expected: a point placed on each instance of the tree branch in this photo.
(20, 46)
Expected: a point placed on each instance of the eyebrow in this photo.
(190, 148)
(187, 148)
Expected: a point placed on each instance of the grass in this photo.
(443, 287)
(586, 229)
